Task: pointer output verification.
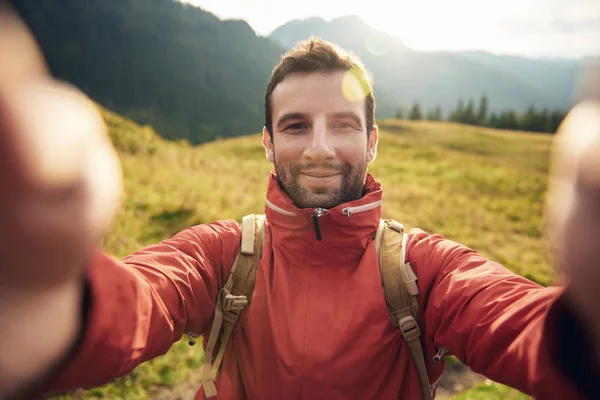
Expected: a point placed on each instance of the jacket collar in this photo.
(349, 224)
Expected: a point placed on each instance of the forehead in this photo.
(317, 93)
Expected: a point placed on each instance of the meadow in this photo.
(482, 187)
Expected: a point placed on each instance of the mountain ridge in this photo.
(405, 75)
(194, 76)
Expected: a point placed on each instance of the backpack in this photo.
(398, 280)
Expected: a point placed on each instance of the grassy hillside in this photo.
(480, 187)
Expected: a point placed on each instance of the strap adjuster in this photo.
(234, 303)
(409, 328)
(231, 316)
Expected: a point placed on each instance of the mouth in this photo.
(320, 174)
(321, 179)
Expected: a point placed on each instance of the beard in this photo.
(351, 188)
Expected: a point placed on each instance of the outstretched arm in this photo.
(59, 186)
(542, 341)
(71, 315)
(139, 306)
(488, 317)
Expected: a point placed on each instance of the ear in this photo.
(372, 144)
(268, 145)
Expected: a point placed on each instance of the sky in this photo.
(531, 28)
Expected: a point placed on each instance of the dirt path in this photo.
(457, 378)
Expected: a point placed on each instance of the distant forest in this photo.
(466, 112)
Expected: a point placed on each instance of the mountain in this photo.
(159, 62)
(403, 76)
(193, 76)
(350, 32)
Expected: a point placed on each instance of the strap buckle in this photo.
(232, 302)
(409, 328)
(396, 226)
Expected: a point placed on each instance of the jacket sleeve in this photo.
(141, 305)
(488, 317)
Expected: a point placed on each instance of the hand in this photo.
(60, 184)
(59, 176)
(574, 204)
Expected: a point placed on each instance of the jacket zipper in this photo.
(438, 356)
(317, 213)
(348, 211)
(191, 336)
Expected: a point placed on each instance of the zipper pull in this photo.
(438, 356)
(315, 217)
(191, 336)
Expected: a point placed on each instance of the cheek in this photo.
(352, 151)
(288, 151)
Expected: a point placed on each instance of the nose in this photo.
(321, 146)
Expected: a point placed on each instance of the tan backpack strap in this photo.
(247, 246)
(399, 284)
(233, 298)
(378, 236)
(391, 265)
(411, 332)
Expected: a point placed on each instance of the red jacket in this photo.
(318, 325)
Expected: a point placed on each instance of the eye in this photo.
(296, 126)
(344, 126)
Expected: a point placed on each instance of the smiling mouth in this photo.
(319, 175)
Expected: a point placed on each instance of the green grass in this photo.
(477, 186)
(491, 390)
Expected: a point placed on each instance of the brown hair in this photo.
(317, 55)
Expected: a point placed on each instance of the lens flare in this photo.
(354, 88)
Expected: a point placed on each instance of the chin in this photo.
(324, 200)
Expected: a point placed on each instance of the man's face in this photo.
(320, 147)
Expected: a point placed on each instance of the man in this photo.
(317, 327)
